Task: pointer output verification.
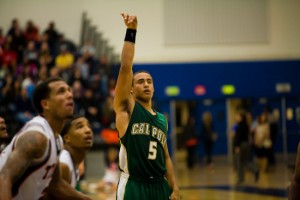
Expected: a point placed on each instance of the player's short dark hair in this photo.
(68, 123)
(41, 92)
(140, 71)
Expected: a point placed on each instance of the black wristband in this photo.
(130, 35)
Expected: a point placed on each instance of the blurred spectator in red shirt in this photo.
(31, 32)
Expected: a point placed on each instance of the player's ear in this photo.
(44, 104)
(67, 138)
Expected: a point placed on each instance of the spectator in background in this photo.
(88, 49)
(92, 109)
(262, 141)
(62, 41)
(108, 113)
(30, 54)
(83, 67)
(273, 120)
(29, 71)
(208, 136)
(13, 27)
(190, 141)
(110, 135)
(45, 54)
(64, 60)
(54, 72)
(52, 34)
(31, 32)
(242, 148)
(3, 134)
(45, 38)
(109, 182)
(101, 67)
(111, 87)
(2, 37)
(78, 93)
(1, 51)
(24, 109)
(77, 76)
(9, 56)
(18, 39)
(7, 94)
(43, 72)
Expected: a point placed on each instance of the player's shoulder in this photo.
(64, 155)
(37, 124)
(39, 121)
(161, 115)
(37, 129)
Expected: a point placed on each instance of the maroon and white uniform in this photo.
(33, 182)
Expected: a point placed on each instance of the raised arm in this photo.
(28, 147)
(123, 101)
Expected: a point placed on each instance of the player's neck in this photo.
(76, 154)
(55, 124)
(146, 105)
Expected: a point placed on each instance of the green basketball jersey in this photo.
(142, 153)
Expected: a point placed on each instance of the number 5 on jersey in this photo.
(152, 150)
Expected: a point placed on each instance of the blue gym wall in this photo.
(251, 79)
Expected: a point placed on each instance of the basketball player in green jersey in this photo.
(146, 167)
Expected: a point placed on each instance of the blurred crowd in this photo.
(29, 56)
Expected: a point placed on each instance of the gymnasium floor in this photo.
(202, 183)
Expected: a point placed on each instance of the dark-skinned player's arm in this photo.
(170, 175)
(294, 189)
(60, 189)
(123, 100)
(28, 147)
(65, 172)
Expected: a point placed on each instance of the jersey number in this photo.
(152, 150)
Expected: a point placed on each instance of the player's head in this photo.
(3, 129)
(53, 96)
(77, 132)
(142, 86)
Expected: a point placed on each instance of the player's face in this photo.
(60, 102)
(143, 87)
(80, 134)
(3, 130)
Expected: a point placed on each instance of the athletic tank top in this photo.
(65, 157)
(34, 181)
(142, 153)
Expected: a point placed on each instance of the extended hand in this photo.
(130, 20)
(175, 195)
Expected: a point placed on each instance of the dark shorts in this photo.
(129, 189)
